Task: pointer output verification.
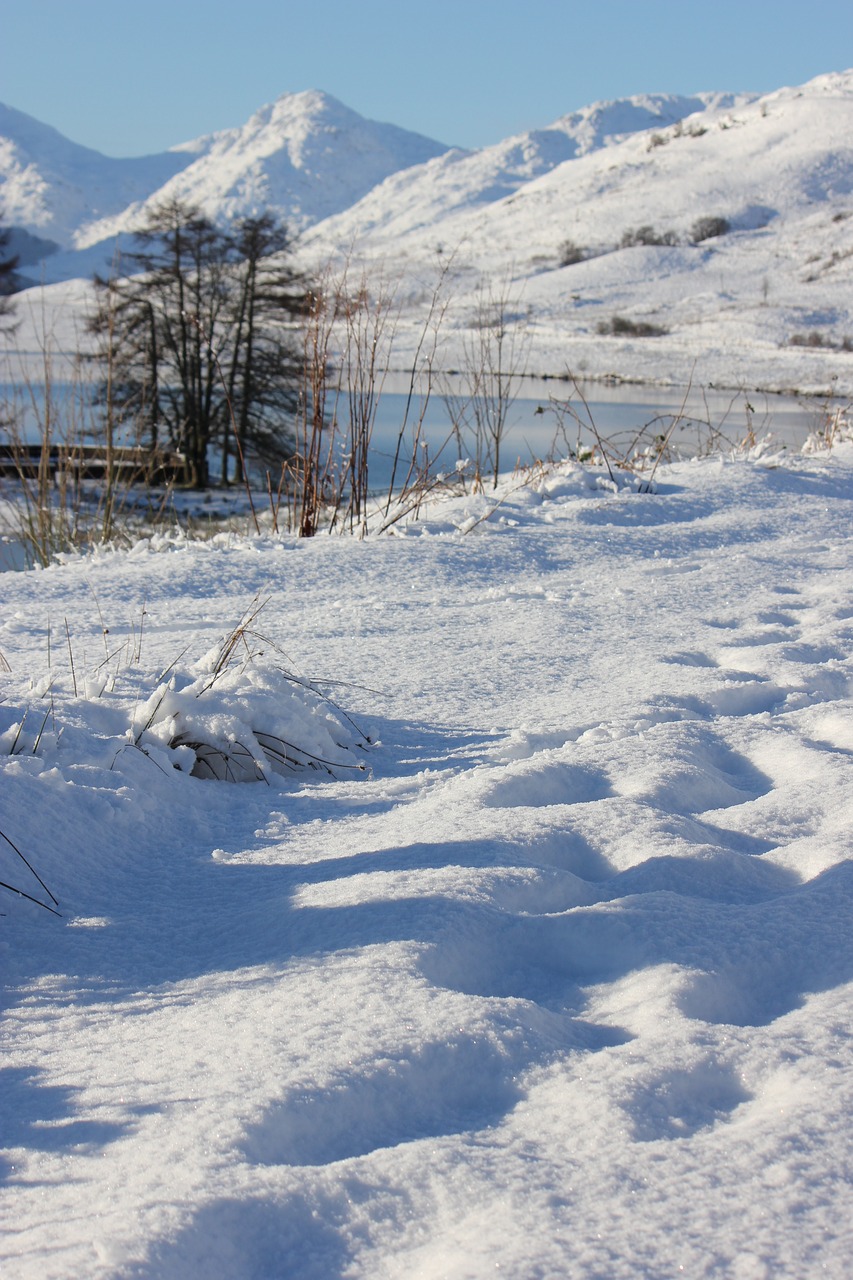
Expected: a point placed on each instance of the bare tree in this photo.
(199, 340)
(494, 363)
(266, 297)
(317, 482)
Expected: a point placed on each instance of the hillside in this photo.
(778, 170)
(462, 183)
(51, 187)
(764, 303)
(306, 155)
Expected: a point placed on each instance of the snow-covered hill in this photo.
(52, 187)
(306, 155)
(464, 182)
(765, 303)
(777, 171)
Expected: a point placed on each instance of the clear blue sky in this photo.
(134, 76)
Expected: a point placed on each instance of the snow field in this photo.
(563, 987)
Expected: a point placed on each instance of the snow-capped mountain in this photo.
(465, 183)
(306, 155)
(749, 160)
(763, 301)
(51, 187)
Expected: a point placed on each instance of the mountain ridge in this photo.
(305, 155)
(583, 222)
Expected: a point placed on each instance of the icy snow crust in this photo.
(562, 987)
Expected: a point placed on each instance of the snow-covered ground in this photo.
(562, 985)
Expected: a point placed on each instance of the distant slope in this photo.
(777, 169)
(306, 155)
(459, 181)
(52, 187)
(766, 303)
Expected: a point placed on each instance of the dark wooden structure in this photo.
(90, 462)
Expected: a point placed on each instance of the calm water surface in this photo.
(549, 418)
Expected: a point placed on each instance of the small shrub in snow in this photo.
(252, 721)
(622, 327)
(239, 715)
(646, 235)
(813, 339)
(246, 715)
(835, 426)
(571, 253)
(708, 228)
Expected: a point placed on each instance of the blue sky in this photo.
(134, 76)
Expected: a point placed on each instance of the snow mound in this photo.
(239, 716)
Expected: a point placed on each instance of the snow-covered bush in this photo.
(240, 714)
(245, 715)
(622, 327)
(571, 253)
(250, 721)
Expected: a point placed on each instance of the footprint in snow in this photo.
(749, 698)
(748, 995)
(443, 1088)
(541, 958)
(689, 659)
(812, 653)
(772, 618)
(545, 784)
(681, 1102)
(696, 772)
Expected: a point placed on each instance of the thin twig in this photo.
(29, 898)
(71, 657)
(29, 865)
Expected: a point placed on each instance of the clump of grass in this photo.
(241, 714)
(819, 341)
(834, 424)
(569, 254)
(250, 715)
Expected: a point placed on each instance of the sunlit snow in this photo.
(561, 985)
